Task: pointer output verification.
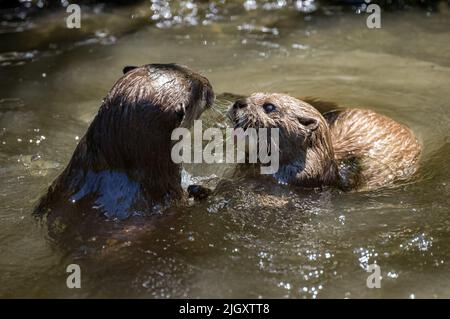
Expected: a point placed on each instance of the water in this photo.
(251, 239)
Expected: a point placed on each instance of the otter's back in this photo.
(385, 151)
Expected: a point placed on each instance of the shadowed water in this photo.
(252, 239)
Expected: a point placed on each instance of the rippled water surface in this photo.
(250, 239)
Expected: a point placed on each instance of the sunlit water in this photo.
(250, 239)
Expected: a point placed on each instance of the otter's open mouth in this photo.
(239, 122)
(239, 125)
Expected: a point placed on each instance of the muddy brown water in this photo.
(251, 240)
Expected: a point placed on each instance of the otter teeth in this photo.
(239, 124)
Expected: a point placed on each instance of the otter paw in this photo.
(198, 192)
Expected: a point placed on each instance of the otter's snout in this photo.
(239, 104)
(233, 112)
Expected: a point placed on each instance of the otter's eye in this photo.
(269, 107)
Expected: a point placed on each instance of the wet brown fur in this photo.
(350, 148)
(131, 134)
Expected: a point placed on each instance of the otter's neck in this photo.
(310, 166)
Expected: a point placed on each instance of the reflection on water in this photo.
(251, 239)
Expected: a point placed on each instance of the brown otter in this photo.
(348, 148)
(122, 166)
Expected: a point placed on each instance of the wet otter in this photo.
(122, 166)
(353, 149)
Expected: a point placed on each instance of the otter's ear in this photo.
(311, 124)
(128, 68)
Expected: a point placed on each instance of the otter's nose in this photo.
(239, 104)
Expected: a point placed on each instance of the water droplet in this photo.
(392, 274)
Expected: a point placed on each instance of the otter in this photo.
(352, 148)
(122, 166)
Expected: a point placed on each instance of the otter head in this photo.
(173, 88)
(304, 139)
